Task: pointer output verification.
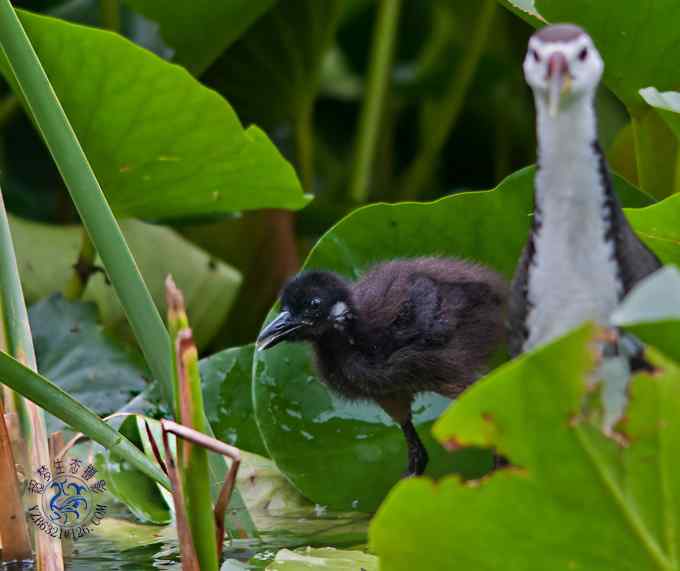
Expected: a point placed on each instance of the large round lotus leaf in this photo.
(226, 383)
(348, 455)
(572, 499)
(163, 146)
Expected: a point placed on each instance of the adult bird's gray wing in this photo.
(518, 306)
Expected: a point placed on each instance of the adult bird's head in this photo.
(312, 303)
(562, 65)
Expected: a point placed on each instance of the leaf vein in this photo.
(631, 515)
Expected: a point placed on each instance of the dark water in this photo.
(96, 552)
(99, 553)
(125, 545)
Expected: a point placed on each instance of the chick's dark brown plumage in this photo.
(427, 324)
(405, 327)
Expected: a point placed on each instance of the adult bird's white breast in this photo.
(574, 275)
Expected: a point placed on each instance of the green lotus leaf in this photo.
(667, 104)
(571, 498)
(226, 379)
(271, 74)
(328, 558)
(75, 352)
(161, 144)
(652, 311)
(46, 254)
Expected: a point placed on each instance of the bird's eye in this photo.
(583, 54)
(314, 303)
(535, 55)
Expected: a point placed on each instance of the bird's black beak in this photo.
(278, 330)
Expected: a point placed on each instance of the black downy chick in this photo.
(406, 326)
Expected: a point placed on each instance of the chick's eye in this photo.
(535, 55)
(314, 303)
(583, 54)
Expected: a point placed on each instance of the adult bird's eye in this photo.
(314, 303)
(535, 55)
(583, 54)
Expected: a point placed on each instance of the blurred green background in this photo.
(457, 116)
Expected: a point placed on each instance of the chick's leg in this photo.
(399, 408)
(417, 454)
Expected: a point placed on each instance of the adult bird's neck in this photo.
(574, 271)
(569, 167)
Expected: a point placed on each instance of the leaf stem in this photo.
(193, 460)
(632, 517)
(676, 183)
(419, 173)
(49, 396)
(13, 527)
(304, 146)
(19, 343)
(188, 408)
(372, 111)
(82, 269)
(110, 14)
(184, 534)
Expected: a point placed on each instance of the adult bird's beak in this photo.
(276, 331)
(559, 80)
